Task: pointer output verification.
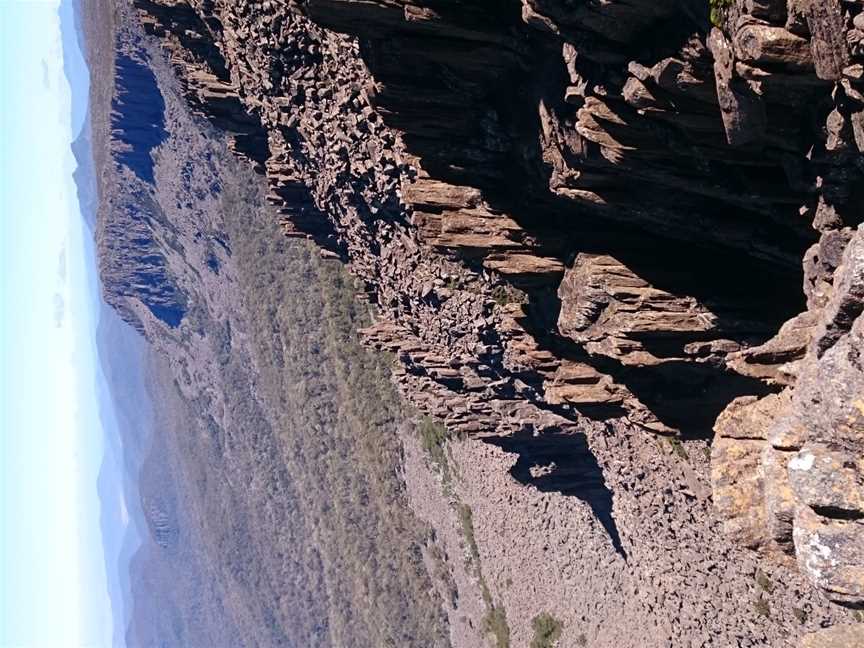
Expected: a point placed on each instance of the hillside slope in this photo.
(613, 248)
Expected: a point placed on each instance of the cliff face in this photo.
(633, 221)
(519, 153)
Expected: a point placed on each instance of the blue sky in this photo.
(53, 590)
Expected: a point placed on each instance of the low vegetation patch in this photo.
(322, 410)
(434, 436)
(763, 581)
(495, 624)
(503, 295)
(466, 517)
(718, 11)
(547, 631)
(495, 621)
(678, 447)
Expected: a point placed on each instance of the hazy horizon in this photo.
(63, 547)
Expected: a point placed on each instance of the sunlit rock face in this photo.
(801, 487)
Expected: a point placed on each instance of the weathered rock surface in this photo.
(800, 478)
(847, 636)
(589, 218)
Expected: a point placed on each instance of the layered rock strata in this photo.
(568, 213)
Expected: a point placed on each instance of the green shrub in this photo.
(718, 11)
(547, 631)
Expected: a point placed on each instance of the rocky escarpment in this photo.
(787, 468)
(588, 217)
(138, 268)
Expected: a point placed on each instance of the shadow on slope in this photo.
(562, 463)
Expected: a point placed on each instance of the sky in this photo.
(53, 583)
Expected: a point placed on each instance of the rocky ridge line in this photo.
(568, 212)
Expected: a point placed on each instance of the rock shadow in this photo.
(562, 463)
(137, 116)
(684, 395)
(681, 393)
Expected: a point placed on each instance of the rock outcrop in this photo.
(584, 217)
(800, 481)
